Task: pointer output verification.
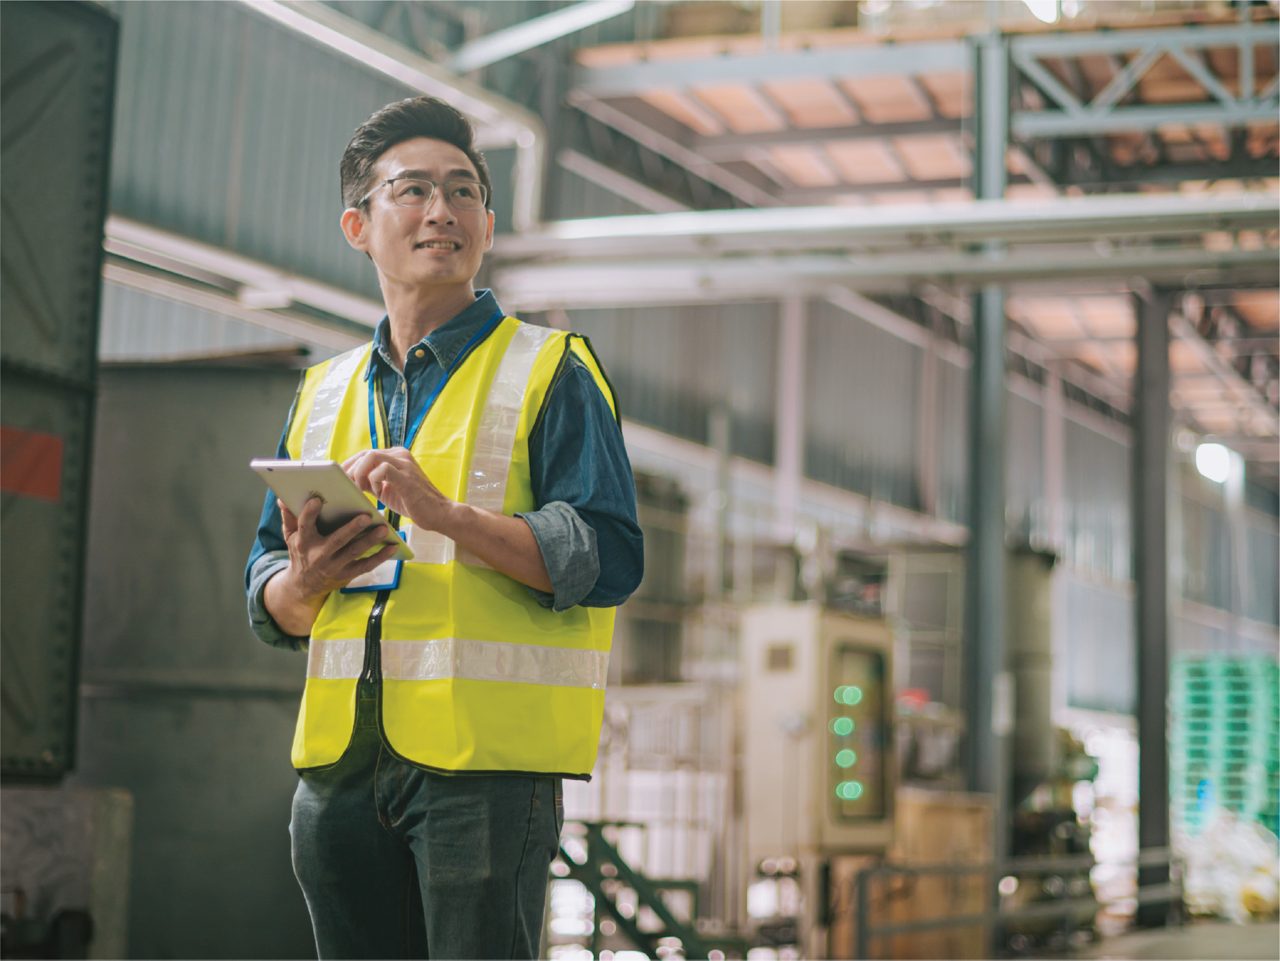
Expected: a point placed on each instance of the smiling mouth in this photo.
(437, 245)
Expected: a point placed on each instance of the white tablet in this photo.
(297, 481)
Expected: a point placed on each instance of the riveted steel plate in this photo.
(57, 90)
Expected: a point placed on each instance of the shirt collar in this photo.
(445, 341)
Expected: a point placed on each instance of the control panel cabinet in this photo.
(817, 726)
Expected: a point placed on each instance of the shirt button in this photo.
(419, 353)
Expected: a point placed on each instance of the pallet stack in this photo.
(1224, 740)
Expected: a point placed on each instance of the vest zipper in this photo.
(372, 638)
(373, 627)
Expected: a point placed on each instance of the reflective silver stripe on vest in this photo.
(336, 659)
(429, 547)
(454, 657)
(318, 438)
(496, 436)
(343, 659)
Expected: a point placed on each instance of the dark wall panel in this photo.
(180, 703)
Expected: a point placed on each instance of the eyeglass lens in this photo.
(459, 194)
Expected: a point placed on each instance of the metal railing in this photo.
(1065, 908)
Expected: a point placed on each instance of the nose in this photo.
(437, 210)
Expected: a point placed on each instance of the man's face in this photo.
(430, 246)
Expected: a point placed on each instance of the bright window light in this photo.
(1046, 11)
(1214, 462)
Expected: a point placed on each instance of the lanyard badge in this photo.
(384, 577)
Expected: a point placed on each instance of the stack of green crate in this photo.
(1224, 739)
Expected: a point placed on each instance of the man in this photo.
(446, 697)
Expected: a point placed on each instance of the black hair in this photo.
(396, 123)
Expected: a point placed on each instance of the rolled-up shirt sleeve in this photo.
(260, 620)
(586, 526)
(267, 558)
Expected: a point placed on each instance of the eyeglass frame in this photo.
(435, 187)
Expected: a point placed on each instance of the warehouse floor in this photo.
(1207, 941)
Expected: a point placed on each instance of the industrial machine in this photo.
(818, 771)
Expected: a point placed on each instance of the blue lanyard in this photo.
(376, 412)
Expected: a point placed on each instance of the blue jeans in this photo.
(397, 862)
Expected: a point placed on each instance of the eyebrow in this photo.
(427, 174)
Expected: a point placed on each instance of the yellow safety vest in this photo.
(476, 676)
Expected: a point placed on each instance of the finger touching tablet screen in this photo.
(297, 481)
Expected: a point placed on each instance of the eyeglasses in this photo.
(416, 192)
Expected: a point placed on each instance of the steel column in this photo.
(720, 437)
(989, 707)
(789, 419)
(1151, 581)
(927, 426)
(1053, 459)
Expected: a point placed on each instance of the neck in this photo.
(415, 312)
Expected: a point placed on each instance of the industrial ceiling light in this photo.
(1046, 11)
(1214, 462)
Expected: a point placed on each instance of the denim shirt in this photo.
(585, 525)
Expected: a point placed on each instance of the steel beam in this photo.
(500, 120)
(1241, 168)
(735, 146)
(335, 332)
(534, 33)
(374, 50)
(1195, 66)
(1058, 123)
(828, 62)
(595, 283)
(1150, 506)
(1184, 45)
(1121, 41)
(652, 170)
(616, 182)
(805, 196)
(179, 255)
(1125, 79)
(1262, 417)
(825, 228)
(671, 148)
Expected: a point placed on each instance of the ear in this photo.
(488, 234)
(354, 227)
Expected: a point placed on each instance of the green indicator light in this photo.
(849, 790)
(846, 758)
(842, 726)
(849, 694)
